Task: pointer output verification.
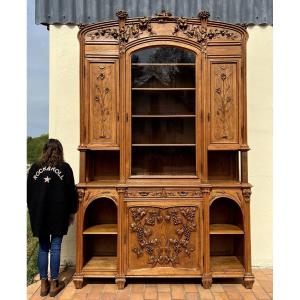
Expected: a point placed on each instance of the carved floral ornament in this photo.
(199, 33)
(164, 193)
(102, 98)
(247, 194)
(161, 249)
(224, 102)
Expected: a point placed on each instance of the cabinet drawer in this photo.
(163, 193)
(183, 193)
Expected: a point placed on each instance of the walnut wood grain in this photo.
(163, 220)
(101, 263)
(102, 229)
(224, 229)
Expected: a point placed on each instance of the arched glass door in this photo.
(163, 112)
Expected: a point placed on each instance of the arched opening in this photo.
(100, 233)
(226, 236)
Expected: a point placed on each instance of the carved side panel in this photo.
(164, 237)
(103, 83)
(224, 103)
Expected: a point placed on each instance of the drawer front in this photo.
(164, 238)
(163, 193)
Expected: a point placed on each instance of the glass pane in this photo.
(163, 161)
(162, 76)
(163, 131)
(163, 112)
(163, 102)
(163, 55)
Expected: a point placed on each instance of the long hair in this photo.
(52, 153)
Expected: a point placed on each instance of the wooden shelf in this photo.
(225, 229)
(184, 176)
(97, 148)
(101, 263)
(227, 147)
(102, 229)
(163, 116)
(163, 145)
(225, 264)
(163, 64)
(163, 89)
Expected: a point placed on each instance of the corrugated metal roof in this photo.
(92, 11)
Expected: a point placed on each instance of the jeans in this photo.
(52, 244)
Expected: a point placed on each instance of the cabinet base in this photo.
(207, 281)
(248, 280)
(78, 280)
(120, 282)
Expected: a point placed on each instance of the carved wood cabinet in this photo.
(163, 185)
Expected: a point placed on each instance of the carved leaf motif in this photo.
(224, 106)
(125, 33)
(200, 32)
(103, 108)
(163, 250)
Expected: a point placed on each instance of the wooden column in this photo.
(244, 166)
(120, 277)
(248, 277)
(207, 276)
(78, 276)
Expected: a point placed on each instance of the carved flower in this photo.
(121, 14)
(143, 23)
(223, 76)
(228, 99)
(182, 23)
(135, 31)
(210, 35)
(102, 32)
(101, 76)
(203, 14)
(115, 33)
(218, 91)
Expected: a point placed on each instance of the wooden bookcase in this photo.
(163, 185)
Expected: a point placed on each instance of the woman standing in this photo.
(52, 203)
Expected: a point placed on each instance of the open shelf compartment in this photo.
(225, 217)
(226, 237)
(100, 235)
(103, 165)
(223, 165)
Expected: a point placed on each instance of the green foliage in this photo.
(34, 150)
(35, 147)
(32, 254)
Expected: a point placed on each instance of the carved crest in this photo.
(126, 32)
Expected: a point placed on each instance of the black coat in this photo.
(51, 198)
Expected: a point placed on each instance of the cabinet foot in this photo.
(207, 281)
(248, 280)
(120, 282)
(78, 280)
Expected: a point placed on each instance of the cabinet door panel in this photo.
(164, 239)
(103, 80)
(224, 102)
